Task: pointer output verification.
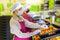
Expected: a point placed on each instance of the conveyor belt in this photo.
(46, 36)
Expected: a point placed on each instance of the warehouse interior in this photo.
(46, 10)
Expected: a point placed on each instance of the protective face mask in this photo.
(27, 11)
(19, 13)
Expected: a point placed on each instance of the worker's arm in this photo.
(15, 29)
(35, 25)
(31, 24)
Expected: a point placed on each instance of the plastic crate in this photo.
(5, 28)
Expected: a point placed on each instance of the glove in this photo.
(41, 22)
(44, 26)
(37, 31)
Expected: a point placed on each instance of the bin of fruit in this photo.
(50, 33)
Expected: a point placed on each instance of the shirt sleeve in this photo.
(14, 28)
(31, 24)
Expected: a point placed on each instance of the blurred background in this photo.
(36, 5)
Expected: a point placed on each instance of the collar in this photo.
(17, 18)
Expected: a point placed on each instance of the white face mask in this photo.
(19, 13)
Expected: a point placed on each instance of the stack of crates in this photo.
(4, 28)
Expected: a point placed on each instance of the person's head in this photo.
(26, 8)
(16, 8)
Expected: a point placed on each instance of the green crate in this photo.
(34, 8)
(1, 7)
(58, 20)
(9, 4)
(41, 7)
(23, 3)
(51, 4)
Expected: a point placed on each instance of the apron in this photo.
(27, 17)
(23, 29)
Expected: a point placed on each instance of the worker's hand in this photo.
(41, 22)
(37, 31)
(44, 26)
